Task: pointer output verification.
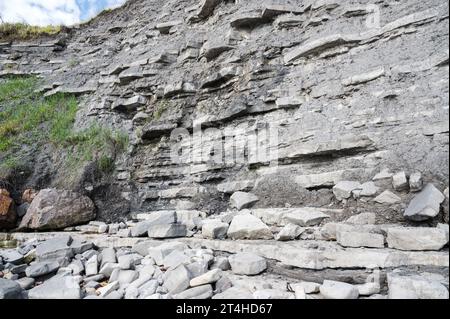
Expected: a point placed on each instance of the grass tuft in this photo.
(23, 31)
(28, 121)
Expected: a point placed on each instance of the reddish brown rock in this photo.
(28, 195)
(55, 209)
(8, 214)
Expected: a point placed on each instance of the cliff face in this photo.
(283, 98)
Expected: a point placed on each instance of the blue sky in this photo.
(45, 12)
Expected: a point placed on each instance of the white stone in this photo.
(308, 287)
(247, 226)
(415, 182)
(241, 200)
(177, 280)
(214, 229)
(247, 264)
(91, 266)
(338, 290)
(343, 190)
(415, 287)
(367, 189)
(399, 181)
(425, 205)
(109, 288)
(289, 232)
(416, 238)
(387, 197)
(305, 217)
(360, 239)
(208, 278)
(362, 219)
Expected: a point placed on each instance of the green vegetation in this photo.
(160, 108)
(28, 121)
(22, 31)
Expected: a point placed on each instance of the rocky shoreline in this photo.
(245, 252)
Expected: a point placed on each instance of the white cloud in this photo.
(45, 12)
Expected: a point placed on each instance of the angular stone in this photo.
(360, 239)
(155, 218)
(241, 200)
(247, 264)
(368, 289)
(57, 209)
(247, 226)
(208, 278)
(165, 27)
(416, 238)
(177, 280)
(10, 289)
(415, 182)
(158, 253)
(202, 292)
(399, 181)
(41, 268)
(207, 8)
(25, 283)
(387, 197)
(315, 46)
(364, 77)
(425, 205)
(91, 266)
(11, 256)
(415, 287)
(131, 104)
(167, 231)
(338, 290)
(289, 232)
(65, 287)
(108, 289)
(289, 102)
(127, 276)
(367, 189)
(108, 255)
(175, 258)
(343, 190)
(214, 229)
(362, 219)
(308, 287)
(55, 248)
(221, 263)
(383, 175)
(305, 217)
(151, 130)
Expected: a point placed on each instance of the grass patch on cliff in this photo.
(29, 121)
(23, 31)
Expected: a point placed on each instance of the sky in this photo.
(54, 12)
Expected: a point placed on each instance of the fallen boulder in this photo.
(55, 209)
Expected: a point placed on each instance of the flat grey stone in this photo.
(167, 231)
(415, 287)
(9, 289)
(425, 205)
(338, 290)
(177, 280)
(41, 268)
(247, 264)
(247, 226)
(241, 200)
(202, 292)
(65, 287)
(416, 238)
